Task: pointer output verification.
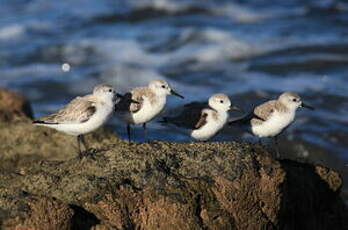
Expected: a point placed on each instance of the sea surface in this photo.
(52, 51)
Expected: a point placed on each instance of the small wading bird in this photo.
(272, 117)
(83, 114)
(203, 122)
(152, 100)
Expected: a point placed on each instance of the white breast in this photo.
(147, 112)
(274, 125)
(212, 127)
(102, 114)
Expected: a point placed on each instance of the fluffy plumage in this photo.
(202, 121)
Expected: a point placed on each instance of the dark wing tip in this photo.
(244, 119)
(43, 122)
(164, 120)
(260, 118)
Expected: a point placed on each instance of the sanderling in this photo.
(152, 100)
(204, 123)
(83, 114)
(272, 117)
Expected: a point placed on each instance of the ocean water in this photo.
(252, 50)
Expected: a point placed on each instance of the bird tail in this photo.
(236, 122)
(165, 120)
(239, 121)
(171, 123)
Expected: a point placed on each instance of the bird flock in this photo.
(141, 105)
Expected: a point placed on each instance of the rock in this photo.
(158, 185)
(13, 107)
(22, 142)
(161, 185)
(49, 214)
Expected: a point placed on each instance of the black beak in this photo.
(129, 99)
(232, 107)
(303, 105)
(176, 94)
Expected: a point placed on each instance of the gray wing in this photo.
(265, 110)
(191, 117)
(258, 115)
(78, 110)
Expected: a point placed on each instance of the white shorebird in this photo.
(83, 114)
(203, 122)
(151, 101)
(272, 117)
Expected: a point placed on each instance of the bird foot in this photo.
(89, 153)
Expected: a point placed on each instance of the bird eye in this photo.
(163, 86)
(294, 100)
(221, 101)
(110, 90)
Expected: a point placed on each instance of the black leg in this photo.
(260, 141)
(79, 145)
(145, 131)
(83, 141)
(276, 143)
(129, 132)
(88, 151)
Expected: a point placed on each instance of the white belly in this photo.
(97, 120)
(274, 125)
(210, 129)
(147, 112)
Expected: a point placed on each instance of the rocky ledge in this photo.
(157, 185)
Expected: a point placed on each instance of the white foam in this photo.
(216, 45)
(167, 5)
(244, 14)
(31, 72)
(118, 51)
(237, 12)
(10, 32)
(122, 63)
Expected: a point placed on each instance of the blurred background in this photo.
(52, 51)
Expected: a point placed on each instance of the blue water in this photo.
(253, 50)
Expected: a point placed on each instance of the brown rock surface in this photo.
(13, 106)
(158, 185)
